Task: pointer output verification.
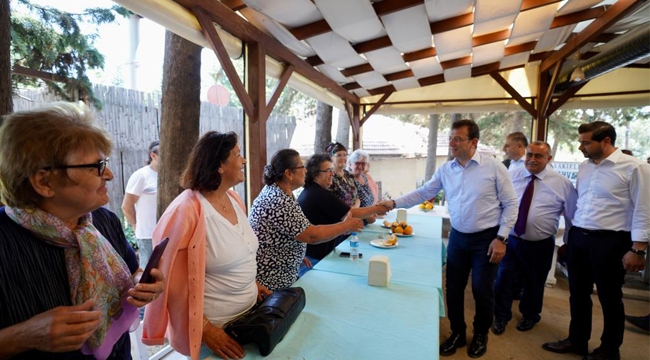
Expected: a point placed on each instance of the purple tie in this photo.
(524, 206)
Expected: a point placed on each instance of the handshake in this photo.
(388, 204)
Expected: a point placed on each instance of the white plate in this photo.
(380, 244)
(402, 235)
(385, 227)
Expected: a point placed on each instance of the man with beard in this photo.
(609, 236)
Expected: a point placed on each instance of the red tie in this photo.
(524, 206)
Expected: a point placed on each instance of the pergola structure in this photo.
(421, 56)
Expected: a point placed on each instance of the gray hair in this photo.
(357, 155)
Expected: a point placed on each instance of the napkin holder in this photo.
(401, 216)
(379, 271)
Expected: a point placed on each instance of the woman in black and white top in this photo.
(281, 227)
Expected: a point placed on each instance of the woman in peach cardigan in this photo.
(210, 259)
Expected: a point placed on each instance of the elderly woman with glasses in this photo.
(67, 273)
(358, 161)
(210, 259)
(281, 226)
(323, 207)
(343, 182)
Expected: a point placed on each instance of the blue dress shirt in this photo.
(480, 195)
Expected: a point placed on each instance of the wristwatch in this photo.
(637, 252)
(504, 240)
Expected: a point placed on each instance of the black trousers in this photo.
(465, 253)
(531, 261)
(597, 257)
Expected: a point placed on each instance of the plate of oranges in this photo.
(426, 206)
(401, 229)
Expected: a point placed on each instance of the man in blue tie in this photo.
(483, 209)
(529, 252)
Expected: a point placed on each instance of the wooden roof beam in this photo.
(375, 107)
(578, 16)
(614, 13)
(239, 27)
(532, 4)
(213, 38)
(514, 93)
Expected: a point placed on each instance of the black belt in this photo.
(522, 239)
(598, 232)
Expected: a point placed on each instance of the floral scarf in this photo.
(95, 271)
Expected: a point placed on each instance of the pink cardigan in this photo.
(183, 265)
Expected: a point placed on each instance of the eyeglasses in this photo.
(100, 166)
(456, 139)
(360, 163)
(297, 167)
(330, 170)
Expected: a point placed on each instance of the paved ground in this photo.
(515, 345)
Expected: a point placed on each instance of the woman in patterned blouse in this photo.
(282, 229)
(343, 183)
(357, 162)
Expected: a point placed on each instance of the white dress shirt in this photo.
(516, 165)
(554, 195)
(614, 195)
(480, 195)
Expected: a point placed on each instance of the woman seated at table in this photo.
(210, 259)
(323, 207)
(357, 163)
(343, 182)
(282, 228)
(67, 273)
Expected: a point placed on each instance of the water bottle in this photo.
(354, 247)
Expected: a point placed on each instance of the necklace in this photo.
(222, 205)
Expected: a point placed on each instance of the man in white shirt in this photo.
(529, 251)
(609, 236)
(483, 209)
(515, 148)
(140, 200)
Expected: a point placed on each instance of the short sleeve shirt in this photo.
(277, 219)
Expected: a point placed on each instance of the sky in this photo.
(113, 43)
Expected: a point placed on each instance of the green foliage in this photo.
(130, 234)
(51, 40)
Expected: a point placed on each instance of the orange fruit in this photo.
(408, 230)
(398, 230)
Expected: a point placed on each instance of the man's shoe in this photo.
(499, 327)
(526, 324)
(598, 354)
(565, 346)
(478, 346)
(455, 341)
(642, 322)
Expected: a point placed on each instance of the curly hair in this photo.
(313, 166)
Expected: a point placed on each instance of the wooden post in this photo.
(255, 126)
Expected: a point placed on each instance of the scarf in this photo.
(95, 271)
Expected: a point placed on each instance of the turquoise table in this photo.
(346, 319)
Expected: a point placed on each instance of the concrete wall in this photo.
(399, 176)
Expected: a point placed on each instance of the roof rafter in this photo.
(614, 13)
(234, 24)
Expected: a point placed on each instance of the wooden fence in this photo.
(133, 119)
